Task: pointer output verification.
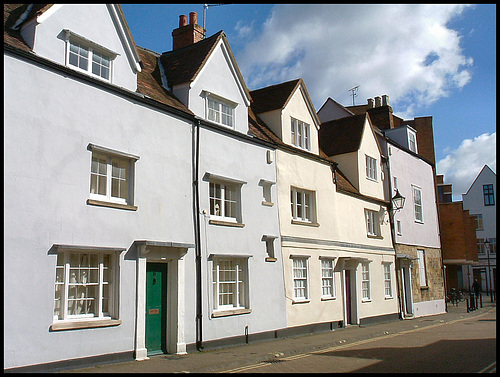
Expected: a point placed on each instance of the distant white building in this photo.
(480, 200)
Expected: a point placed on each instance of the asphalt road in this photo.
(456, 341)
(466, 345)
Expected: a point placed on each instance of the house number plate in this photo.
(154, 311)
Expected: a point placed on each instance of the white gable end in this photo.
(218, 79)
(97, 27)
(370, 185)
(298, 108)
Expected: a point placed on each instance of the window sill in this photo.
(268, 204)
(269, 259)
(226, 313)
(299, 222)
(328, 298)
(75, 325)
(424, 287)
(304, 301)
(419, 221)
(366, 300)
(389, 297)
(226, 223)
(375, 237)
(100, 203)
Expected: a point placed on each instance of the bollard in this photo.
(467, 300)
(481, 300)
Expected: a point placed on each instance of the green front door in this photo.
(156, 313)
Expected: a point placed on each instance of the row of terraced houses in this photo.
(154, 204)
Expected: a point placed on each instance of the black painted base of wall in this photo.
(84, 362)
(112, 358)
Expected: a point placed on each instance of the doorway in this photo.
(407, 294)
(348, 298)
(156, 308)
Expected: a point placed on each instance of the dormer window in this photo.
(220, 111)
(300, 135)
(88, 56)
(412, 141)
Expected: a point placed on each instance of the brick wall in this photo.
(458, 232)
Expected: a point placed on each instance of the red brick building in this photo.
(458, 239)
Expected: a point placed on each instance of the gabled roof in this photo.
(273, 97)
(17, 15)
(342, 135)
(184, 64)
(149, 81)
(277, 96)
(481, 172)
(329, 99)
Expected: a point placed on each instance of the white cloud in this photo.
(383, 48)
(461, 166)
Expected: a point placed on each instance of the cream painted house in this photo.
(336, 273)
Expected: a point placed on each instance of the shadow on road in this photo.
(468, 356)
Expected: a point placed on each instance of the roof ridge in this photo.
(276, 85)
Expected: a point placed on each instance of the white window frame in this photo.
(422, 267)
(238, 285)
(481, 248)
(298, 273)
(372, 223)
(327, 266)
(365, 282)
(371, 168)
(418, 209)
(64, 280)
(110, 157)
(479, 221)
(219, 110)
(302, 205)
(412, 141)
(300, 134)
(93, 48)
(230, 192)
(387, 279)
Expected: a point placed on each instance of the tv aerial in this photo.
(354, 93)
(205, 7)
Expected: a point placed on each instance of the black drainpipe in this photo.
(393, 236)
(196, 218)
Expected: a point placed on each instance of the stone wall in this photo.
(434, 269)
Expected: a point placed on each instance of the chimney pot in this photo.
(193, 18)
(378, 101)
(182, 20)
(370, 103)
(385, 100)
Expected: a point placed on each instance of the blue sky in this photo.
(432, 60)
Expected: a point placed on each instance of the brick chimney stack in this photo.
(185, 34)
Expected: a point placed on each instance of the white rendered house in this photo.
(480, 200)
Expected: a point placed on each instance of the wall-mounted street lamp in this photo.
(398, 201)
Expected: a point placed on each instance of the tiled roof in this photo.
(182, 65)
(149, 81)
(342, 135)
(343, 184)
(273, 97)
(11, 14)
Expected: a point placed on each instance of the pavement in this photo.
(233, 357)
